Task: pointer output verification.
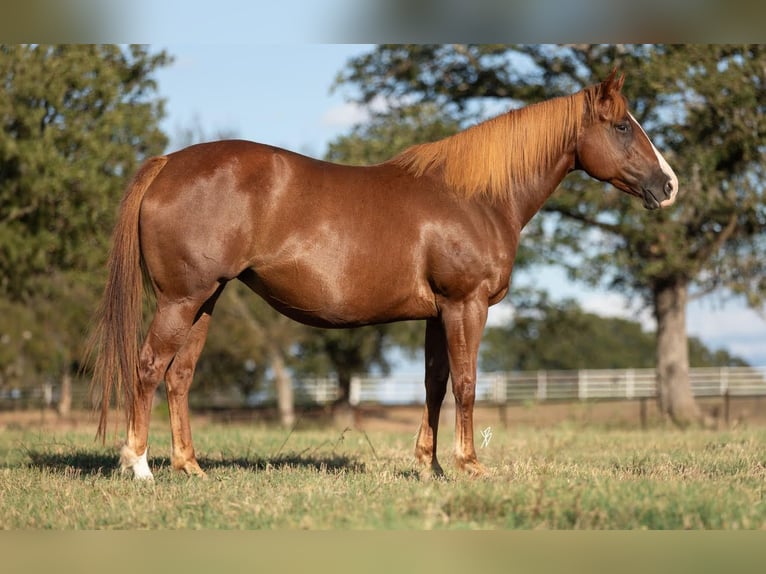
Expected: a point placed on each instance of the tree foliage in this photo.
(75, 122)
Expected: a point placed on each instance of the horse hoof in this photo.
(129, 460)
(190, 467)
(431, 471)
(475, 469)
(195, 470)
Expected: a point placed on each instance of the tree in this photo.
(75, 121)
(704, 105)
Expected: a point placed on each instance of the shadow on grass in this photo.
(332, 463)
(89, 464)
(73, 463)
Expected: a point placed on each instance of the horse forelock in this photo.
(500, 156)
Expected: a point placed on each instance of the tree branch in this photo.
(18, 213)
(609, 227)
(706, 252)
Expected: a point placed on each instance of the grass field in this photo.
(568, 476)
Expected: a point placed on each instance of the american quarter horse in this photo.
(430, 234)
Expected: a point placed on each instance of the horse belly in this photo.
(325, 288)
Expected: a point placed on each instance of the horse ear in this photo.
(608, 90)
(612, 84)
(620, 82)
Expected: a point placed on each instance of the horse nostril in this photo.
(668, 188)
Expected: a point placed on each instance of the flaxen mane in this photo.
(499, 155)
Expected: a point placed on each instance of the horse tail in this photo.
(115, 339)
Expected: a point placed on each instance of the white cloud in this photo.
(752, 350)
(344, 116)
(348, 114)
(615, 305)
(500, 314)
(730, 320)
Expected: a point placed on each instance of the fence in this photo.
(614, 384)
(491, 388)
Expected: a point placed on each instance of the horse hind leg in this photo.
(437, 375)
(178, 380)
(167, 334)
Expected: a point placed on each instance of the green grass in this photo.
(565, 477)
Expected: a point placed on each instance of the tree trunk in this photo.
(284, 384)
(674, 393)
(344, 387)
(342, 410)
(64, 407)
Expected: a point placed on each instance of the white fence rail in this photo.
(615, 384)
(491, 388)
(501, 388)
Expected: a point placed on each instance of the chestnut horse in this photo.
(430, 234)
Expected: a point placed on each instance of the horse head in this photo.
(614, 148)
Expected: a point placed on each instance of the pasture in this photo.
(570, 475)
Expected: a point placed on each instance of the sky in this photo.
(280, 94)
(276, 94)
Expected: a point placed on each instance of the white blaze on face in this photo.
(666, 169)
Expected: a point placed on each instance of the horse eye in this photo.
(622, 127)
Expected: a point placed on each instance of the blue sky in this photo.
(280, 94)
(275, 94)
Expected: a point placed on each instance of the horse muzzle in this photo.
(661, 192)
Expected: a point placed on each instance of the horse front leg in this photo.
(437, 375)
(464, 324)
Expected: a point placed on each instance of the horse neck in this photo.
(515, 160)
(529, 199)
(524, 174)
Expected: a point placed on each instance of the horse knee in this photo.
(179, 379)
(465, 393)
